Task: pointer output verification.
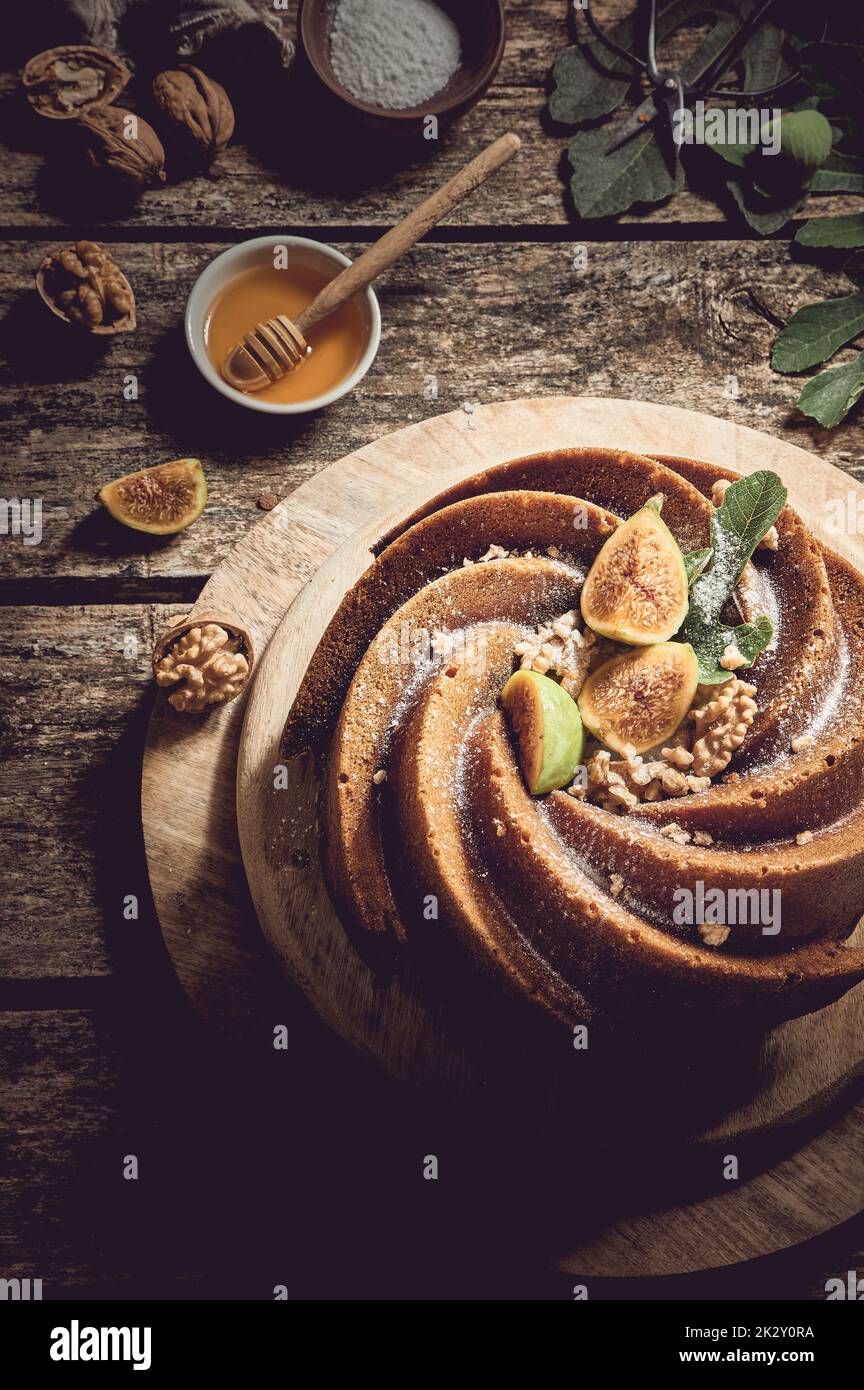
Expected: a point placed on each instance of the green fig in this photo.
(547, 728)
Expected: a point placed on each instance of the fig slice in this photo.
(637, 701)
(547, 727)
(161, 500)
(637, 589)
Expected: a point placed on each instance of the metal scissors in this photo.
(667, 102)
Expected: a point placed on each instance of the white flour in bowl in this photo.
(393, 53)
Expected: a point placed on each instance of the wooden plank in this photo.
(58, 1100)
(676, 323)
(77, 685)
(283, 180)
(228, 1202)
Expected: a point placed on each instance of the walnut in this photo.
(61, 83)
(207, 661)
(559, 646)
(123, 149)
(194, 114)
(83, 284)
(721, 725)
(713, 933)
(732, 658)
(804, 837)
(676, 832)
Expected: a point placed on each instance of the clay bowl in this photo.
(482, 30)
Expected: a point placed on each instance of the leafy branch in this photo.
(817, 150)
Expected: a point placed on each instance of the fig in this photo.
(547, 727)
(159, 500)
(804, 146)
(637, 701)
(636, 590)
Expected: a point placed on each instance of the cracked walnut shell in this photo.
(62, 83)
(194, 114)
(207, 659)
(82, 284)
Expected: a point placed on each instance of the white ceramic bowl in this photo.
(243, 257)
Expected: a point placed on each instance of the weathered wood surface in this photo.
(689, 324)
(223, 1205)
(346, 177)
(79, 1085)
(76, 696)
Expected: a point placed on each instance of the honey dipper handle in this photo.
(400, 238)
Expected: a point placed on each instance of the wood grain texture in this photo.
(58, 1098)
(678, 324)
(260, 578)
(274, 180)
(77, 687)
(801, 1196)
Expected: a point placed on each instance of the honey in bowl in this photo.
(335, 345)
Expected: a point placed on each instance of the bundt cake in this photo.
(548, 840)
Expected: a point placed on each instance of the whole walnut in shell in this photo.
(195, 114)
(122, 148)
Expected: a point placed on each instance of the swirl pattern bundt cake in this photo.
(666, 808)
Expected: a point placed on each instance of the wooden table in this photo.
(299, 1167)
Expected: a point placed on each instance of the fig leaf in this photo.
(695, 562)
(749, 509)
(749, 638)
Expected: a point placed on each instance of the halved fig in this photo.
(161, 500)
(637, 590)
(638, 700)
(547, 727)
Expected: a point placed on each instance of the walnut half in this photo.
(64, 82)
(84, 285)
(207, 660)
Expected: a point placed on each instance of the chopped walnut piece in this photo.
(495, 552)
(676, 832)
(732, 658)
(560, 647)
(206, 666)
(721, 725)
(771, 540)
(616, 885)
(713, 933)
(701, 837)
(801, 742)
(379, 776)
(804, 837)
(678, 756)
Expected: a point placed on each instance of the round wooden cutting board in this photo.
(301, 557)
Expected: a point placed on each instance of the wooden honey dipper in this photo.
(276, 347)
